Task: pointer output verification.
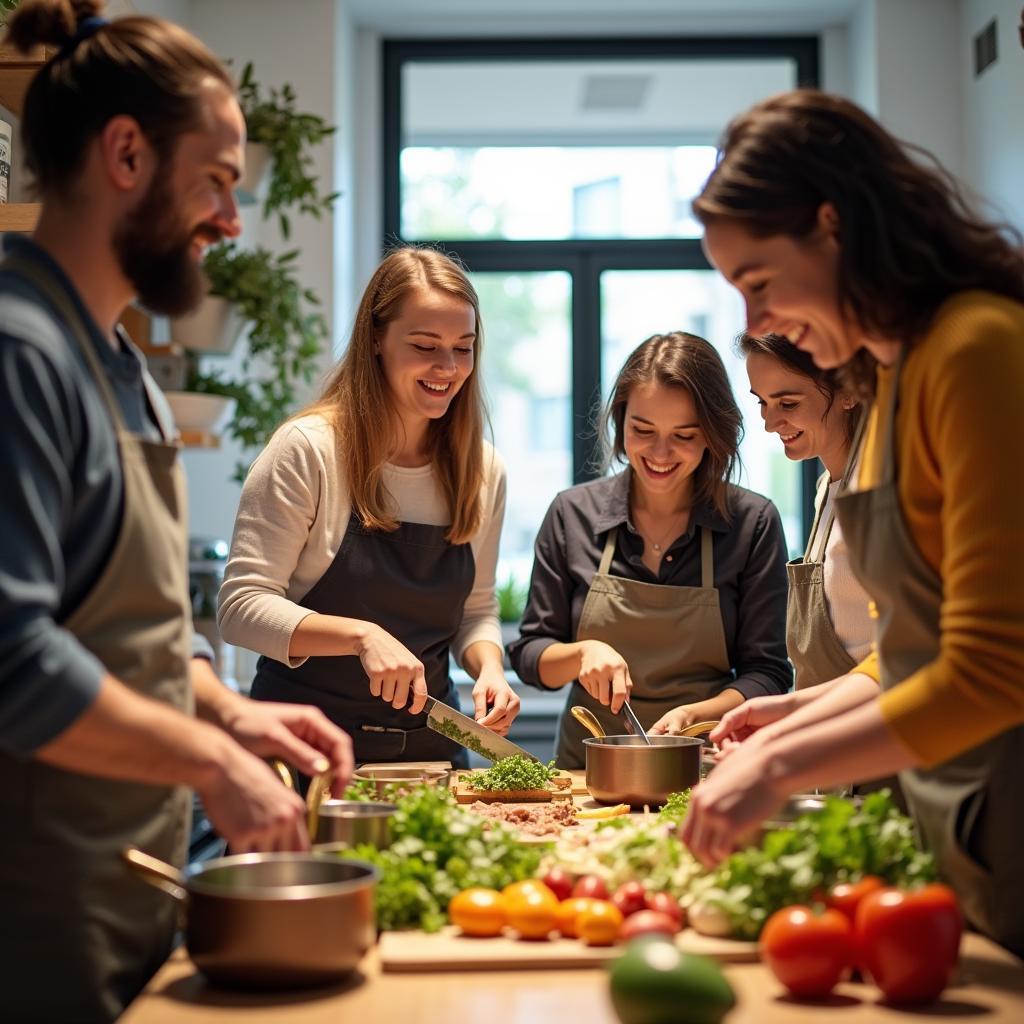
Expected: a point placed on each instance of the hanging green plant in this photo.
(6, 6)
(284, 342)
(289, 136)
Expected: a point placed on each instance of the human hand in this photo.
(604, 674)
(298, 733)
(673, 722)
(249, 806)
(729, 804)
(492, 690)
(742, 722)
(395, 674)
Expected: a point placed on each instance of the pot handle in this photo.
(158, 873)
(588, 720)
(319, 791)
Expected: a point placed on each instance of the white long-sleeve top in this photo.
(292, 516)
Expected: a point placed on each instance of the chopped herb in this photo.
(515, 772)
(448, 728)
(675, 807)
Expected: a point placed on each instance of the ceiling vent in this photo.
(615, 92)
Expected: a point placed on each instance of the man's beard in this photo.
(154, 252)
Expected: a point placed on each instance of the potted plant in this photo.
(511, 597)
(6, 6)
(288, 136)
(285, 337)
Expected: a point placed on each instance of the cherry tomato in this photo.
(532, 911)
(599, 924)
(665, 903)
(846, 896)
(808, 952)
(568, 912)
(630, 897)
(648, 922)
(909, 941)
(478, 912)
(559, 883)
(592, 887)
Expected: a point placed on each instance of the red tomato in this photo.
(630, 898)
(591, 887)
(909, 941)
(559, 883)
(846, 896)
(808, 952)
(666, 904)
(648, 922)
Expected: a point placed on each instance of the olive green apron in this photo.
(818, 655)
(970, 810)
(88, 933)
(672, 639)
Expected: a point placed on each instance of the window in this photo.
(562, 174)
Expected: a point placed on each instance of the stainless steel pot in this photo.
(401, 775)
(271, 920)
(352, 822)
(627, 770)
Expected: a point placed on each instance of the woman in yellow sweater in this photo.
(868, 258)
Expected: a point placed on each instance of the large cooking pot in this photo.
(271, 920)
(353, 822)
(637, 771)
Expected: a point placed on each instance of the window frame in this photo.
(583, 259)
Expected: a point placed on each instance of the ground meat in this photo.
(532, 819)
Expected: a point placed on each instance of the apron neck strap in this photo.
(609, 550)
(887, 421)
(42, 279)
(707, 560)
(852, 459)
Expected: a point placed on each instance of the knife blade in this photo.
(633, 726)
(470, 734)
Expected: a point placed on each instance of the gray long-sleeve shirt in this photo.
(60, 511)
(750, 574)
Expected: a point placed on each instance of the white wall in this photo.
(993, 116)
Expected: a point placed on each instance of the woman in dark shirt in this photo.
(664, 584)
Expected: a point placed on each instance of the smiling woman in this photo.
(663, 584)
(369, 526)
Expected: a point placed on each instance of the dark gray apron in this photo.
(81, 935)
(970, 810)
(411, 582)
(672, 639)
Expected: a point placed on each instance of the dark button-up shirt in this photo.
(63, 491)
(750, 574)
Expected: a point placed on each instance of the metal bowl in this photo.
(351, 822)
(631, 770)
(403, 776)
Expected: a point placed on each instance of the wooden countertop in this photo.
(991, 990)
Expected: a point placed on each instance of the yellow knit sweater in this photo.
(960, 441)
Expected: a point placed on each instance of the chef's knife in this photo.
(633, 726)
(470, 734)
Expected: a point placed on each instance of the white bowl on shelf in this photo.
(198, 412)
(213, 327)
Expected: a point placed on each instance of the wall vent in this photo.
(985, 48)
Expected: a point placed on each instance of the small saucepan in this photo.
(271, 920)
(631, 770)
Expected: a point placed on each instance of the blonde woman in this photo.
(366, 540)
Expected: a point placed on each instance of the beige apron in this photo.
(672, 639)
(970, 810)
(88, 933)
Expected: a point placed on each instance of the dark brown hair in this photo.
(357, 403)
(908, 238)
(680, 360)
(778, 347)
(146, 68)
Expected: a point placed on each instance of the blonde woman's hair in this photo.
(356, 402)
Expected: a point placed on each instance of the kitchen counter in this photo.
(991, 989)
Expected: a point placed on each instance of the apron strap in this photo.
(42, 279)
(707, 560)
(888, 422)
(609, 550)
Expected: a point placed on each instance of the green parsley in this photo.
(675, 807)
(515, 772)
(448, 728)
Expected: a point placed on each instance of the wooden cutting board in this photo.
(561, 789)
(448, 950)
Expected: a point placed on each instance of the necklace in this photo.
(665, 537)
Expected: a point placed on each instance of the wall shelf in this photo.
(18, 216)
(16, 71)
(199, 439)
